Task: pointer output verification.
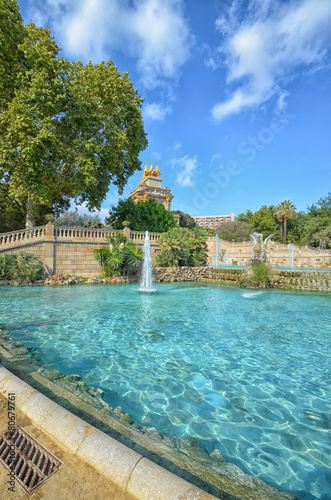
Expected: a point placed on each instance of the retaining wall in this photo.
(296, 280)
(68, 250)
(278, 254)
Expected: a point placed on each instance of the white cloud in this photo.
(154, 32)
(273, 43)
(186, 167)
(156, 111)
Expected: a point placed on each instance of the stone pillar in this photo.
(126, 230)
(49, 249)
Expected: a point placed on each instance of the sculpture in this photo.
(149, 172)
(146, 172)
(157, 172)
(260, 246)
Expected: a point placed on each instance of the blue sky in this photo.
(237, 93)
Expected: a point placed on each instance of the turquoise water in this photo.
(245, 372)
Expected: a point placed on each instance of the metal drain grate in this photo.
(26, 459)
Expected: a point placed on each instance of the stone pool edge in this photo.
(126, 468)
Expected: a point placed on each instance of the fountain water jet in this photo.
(146, 281)
(227, 257)
(216, 253)
(292, 254)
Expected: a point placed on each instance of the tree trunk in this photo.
(29, 221)
(281, 228)
(285, 224)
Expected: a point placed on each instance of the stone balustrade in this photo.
(140, 236)
(65, 233)
(22, 236)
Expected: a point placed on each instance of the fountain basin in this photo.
(239, 380)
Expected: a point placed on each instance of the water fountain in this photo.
(216, 252)
(227, 257)
(146, 281)
(292, 254)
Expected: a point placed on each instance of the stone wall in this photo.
(278, 254)
(295, 280)
(68, 250)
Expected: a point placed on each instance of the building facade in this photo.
(213, 221)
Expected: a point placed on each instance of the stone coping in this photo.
(129, 470)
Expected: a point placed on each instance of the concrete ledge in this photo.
(140, 477)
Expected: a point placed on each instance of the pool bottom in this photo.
(182, 456)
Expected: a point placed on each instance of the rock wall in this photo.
(296, 280)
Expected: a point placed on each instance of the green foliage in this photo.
(120, 257)
(66, 129)
(143, 216)
(263, 220)
(13, 212)
(24, 267)
(73, 219)
(185, 220)
(285, 211)
(7, 265)
(235, 231)
(259, 274)
(183, 247)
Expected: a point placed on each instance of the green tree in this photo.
(235, 231)
(183, 247)
(65, 129)
(285, 211)
(72, 219)
(185, 220)
(263, 220)
(143, 216)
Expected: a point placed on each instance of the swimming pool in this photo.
(245, 372)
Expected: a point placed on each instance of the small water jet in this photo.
(216, 252)
(146, 281)
(292, 254)
(227, 257)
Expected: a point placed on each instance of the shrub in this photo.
(120, 257)
(24, 267)
(183, 247)
(258, 275)
(7, 263)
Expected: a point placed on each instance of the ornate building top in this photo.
(150, 187)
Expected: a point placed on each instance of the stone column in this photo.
(126, 230)
(49, 262)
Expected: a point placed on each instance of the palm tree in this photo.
(285, 211)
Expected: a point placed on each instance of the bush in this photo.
(183, 247)
(24, 267)
(258, 275)
(120, 257)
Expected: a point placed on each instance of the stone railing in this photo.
(22, 236)
(139, 236)
(69, 233)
